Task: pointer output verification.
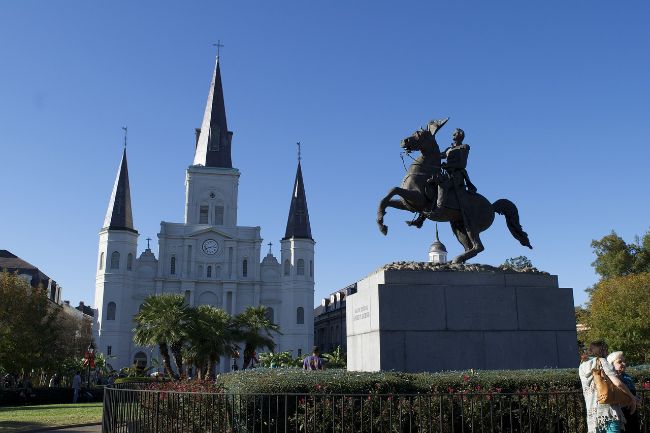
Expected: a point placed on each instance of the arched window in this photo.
(129, 262)
(172, 265)
(287, 267)
(300, 316)
(301, 267)
(101, 261)
(209, 271)
(187, 296)
(311, 268)
(115, 260)
(203, 214)
(270, 314)
(218, 215)
(244, 268)
(140, 360)
(110, 311)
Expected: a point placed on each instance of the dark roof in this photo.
(86, 309)
(214, 139)
(118, 215)
(13, 263)
(298, 222)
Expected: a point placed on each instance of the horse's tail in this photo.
(509, 210)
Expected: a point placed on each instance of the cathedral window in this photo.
(110, 311)
(300, 316)
(244, 268)
(172, 266)
(203, 214)
(217, 271)
(115, 260)
(270, 314)
(101, 261)
(209, 271)
(187, 297)
(218, 215)
(129, 262)
(287, 267)
(301, 267)
(311, 268)
(109, 350)
(189, 260)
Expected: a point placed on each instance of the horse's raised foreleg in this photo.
(406, 197)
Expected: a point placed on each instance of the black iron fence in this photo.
(141, 410)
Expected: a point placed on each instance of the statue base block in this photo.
(425, 317)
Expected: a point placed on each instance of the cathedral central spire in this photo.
(213, 138)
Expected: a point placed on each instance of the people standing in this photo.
(617, 360)
(601, 418)
(314, 361)
(76, 386)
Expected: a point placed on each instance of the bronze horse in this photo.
(417, 195)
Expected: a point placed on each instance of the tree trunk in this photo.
(164, 352)
(178, 356)
(212, 364)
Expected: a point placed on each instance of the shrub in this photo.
(10, 397)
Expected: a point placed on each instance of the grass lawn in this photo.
(18, 418)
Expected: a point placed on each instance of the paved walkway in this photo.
(97, 428)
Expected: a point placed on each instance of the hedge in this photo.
(38, 396)
(293, 380)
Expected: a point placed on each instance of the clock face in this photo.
(210, 247)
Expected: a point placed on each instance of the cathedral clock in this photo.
(210, 247)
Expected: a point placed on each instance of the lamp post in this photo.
(89, 360)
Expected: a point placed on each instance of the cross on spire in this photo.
(299, 154)
(148, 247)
(219, 45)
(270, 244)
(126, 131)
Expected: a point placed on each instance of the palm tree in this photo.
(254, 328)
(163, 320)
(211, 337)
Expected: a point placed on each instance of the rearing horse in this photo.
(417, 195)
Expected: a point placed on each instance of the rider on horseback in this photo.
(457, 177)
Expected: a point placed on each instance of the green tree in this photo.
(615, 258)
(519, 263)
(30, 327)
(211, 336)
(255, 330)
(164, 321)
(280, 359)
(336, 358)
(619, 314)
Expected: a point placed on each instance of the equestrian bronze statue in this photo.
(442, 191)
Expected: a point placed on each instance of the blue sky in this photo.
(553, 97)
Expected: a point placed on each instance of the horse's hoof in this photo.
(416, 224)
(383, 230)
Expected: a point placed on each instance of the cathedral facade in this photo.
(207, 258)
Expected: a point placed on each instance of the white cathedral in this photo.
(208, 258)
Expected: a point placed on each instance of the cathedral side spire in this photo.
(214, 139)
(118, 215)
(298, 222)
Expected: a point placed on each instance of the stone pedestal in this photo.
(426, 317)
